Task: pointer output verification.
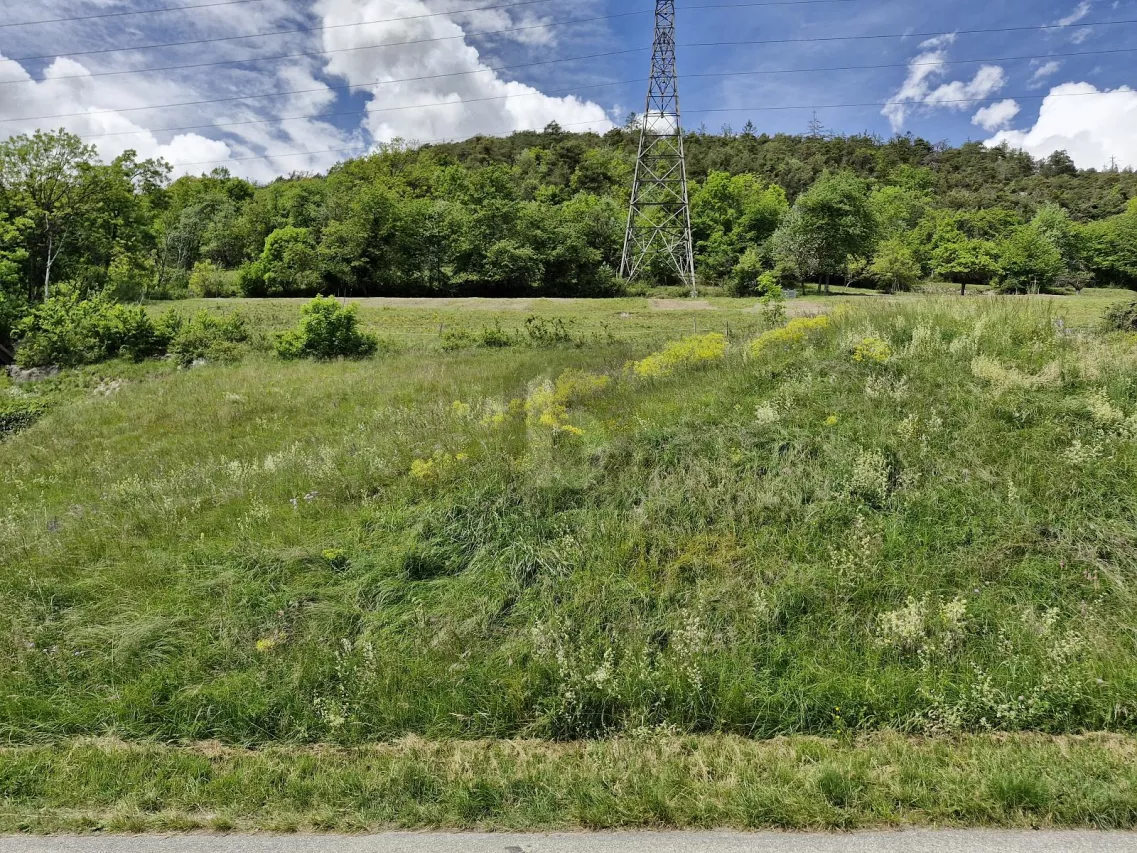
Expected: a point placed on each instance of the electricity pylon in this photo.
(659, 220)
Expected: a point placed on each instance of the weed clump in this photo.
(18, 414)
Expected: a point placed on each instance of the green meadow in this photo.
(870, 564)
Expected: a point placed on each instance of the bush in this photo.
(454, 340)
(496, 337)
(205, 337)
(1122, 317)
(69, 331)
(130, 277)
(16, 414)
(12, 311)
(327, 330)
(209, 281)
(251, 279)
(547, 333)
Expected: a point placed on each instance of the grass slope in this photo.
(922, 518)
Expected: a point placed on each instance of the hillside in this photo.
(920, 519)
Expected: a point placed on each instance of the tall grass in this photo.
(920, 518)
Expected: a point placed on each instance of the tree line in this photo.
(543, 213)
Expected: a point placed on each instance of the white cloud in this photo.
(67, 87)
(478, 102)
(1091, 125)
(104, 101)
(998, 115)
(1079, 12)
(1046, 69)
(960, 95)
(919, 89)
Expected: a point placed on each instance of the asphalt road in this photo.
(638, 842)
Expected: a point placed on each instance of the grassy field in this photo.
(659, 782)
(907, 529)
(425, 323)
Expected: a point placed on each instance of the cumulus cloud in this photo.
(998, 115)
(477, 99)
(262, 137)
(921, 89)
(1092, 126)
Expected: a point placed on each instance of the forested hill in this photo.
(543, 213)
(968, 177)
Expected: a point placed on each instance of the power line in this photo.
(921, 103)
(697, 112)
(418, 143)
(127, 14)
(492, 69)
(139, 12)
(404, 107)
(507, 30)
(402, 19)
(304, 30)
(364, 111)
(345, 87)
(305, 54)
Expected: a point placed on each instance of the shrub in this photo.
(138, 337)
(205, 337)
(251, 279)
(1122, 317)
(327, 330)
(17, 414)
(496, 337)
(290, 263)
(209, 281)
(69, 331)
(130, 277)
(547, 333)
(12, 310)
(453, 340)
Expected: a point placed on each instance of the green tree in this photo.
(1029, 260)
(49, 179)
(895, 266)
(1109, 249)
(291, 263)
(836, 222)
(960, 259)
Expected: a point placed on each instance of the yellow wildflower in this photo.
(790, 335)
(424, 469)
(872, 350)
(687, 353)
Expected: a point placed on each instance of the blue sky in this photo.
(321, 68)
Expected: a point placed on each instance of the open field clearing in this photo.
(408, 322)
(582, 582)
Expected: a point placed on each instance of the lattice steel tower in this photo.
(659, 221)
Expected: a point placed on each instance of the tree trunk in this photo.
(963, 289)
(47, 271)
